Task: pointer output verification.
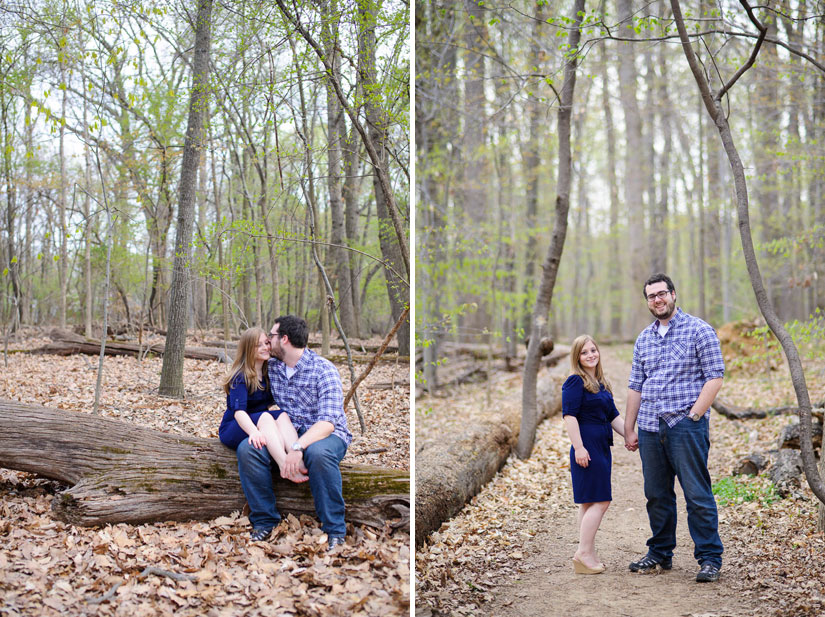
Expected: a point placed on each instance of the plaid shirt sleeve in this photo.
(709, 351)
(637, 374)
(330, 395)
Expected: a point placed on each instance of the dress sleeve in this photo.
(571, 396)
(238, 395)
(611, 411)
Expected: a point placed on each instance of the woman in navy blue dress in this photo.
(590, 416)
(249, 403)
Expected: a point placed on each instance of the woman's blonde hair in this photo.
(590, 384)
(244, 362)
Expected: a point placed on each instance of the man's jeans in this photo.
(322, 460)
(680, 451)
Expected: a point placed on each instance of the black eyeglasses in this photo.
(661, 295)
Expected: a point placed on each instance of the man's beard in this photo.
(670, 308)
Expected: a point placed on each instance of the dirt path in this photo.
(547, 585)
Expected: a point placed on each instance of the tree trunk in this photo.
(633, 190)
(350, 192)
(338, 268)
(448, 473)
(199, 280)
(714, 108)
(171, 377)
(614, 264)
(88, 301)
(531, 161)
(529, 416)
(397, 288)
(148, 476)
(62, 267)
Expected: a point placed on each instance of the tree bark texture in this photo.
(715, 110)
(123, 473)
(171, 377)
(339, 266)
(449, 473)
(398, 290)
(529, 416)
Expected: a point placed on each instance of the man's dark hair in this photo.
(658, 278)
(294, 328)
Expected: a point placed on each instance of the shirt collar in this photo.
(305, 361)
(678, 316)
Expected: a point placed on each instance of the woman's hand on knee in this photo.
(257, 440)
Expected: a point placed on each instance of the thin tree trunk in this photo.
(61, 204)
(397, 289)
(633, 189)
(614, 264)
(171, 378)
(88, 301)
(715, 110)
(529, 415)
(532, 169)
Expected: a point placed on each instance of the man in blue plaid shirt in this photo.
(677, 371)
(308, 388)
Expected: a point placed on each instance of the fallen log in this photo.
(785, 472)
(748, 413)
(356, 346)
(66, 343)
(449, 472)
(123, 473)
(750, 465)
(790, 435)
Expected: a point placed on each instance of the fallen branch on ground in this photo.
(451, 471)
(123, 473)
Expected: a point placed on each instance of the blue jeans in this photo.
(680, 452)
(322, 460)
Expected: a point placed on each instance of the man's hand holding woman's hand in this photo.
(631, 440)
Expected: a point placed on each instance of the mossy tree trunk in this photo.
(123, 473)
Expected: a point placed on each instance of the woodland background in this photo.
(94, 98)
(651, 186)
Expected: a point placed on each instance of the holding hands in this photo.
(631, 440)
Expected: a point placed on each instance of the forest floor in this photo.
(508, 553)
(49, 568)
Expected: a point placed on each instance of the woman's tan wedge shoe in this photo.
(580, 568)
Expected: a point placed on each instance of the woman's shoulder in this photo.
(573, 381)
(237, 381)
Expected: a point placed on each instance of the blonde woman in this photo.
(249, 403)
(589, 413)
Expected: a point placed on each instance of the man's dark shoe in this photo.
(708, 573)
(649, 564)
(260, 534)
(335, 541)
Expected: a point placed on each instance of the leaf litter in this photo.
(211, 568)
(773, 553)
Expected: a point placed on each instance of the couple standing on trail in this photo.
(285, 404)
(676, 373)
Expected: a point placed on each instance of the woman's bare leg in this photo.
(274, 439)
(290, 436)
(590, 518)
